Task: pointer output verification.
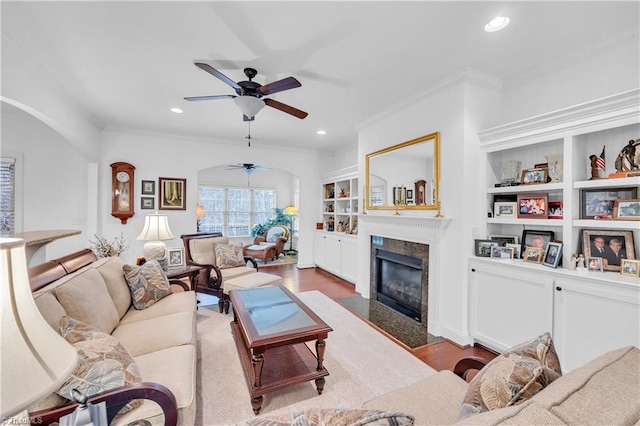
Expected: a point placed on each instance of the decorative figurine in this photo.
(598, 164)
(574, 262)
(626, 160)
(580, 264)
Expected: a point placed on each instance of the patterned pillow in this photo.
(103, 363)
(148, 283)
(229, 256)
(513, 377)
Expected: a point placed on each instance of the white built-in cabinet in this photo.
(335, 246)
(588, 313)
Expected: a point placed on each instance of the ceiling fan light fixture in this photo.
(249, 105)
(497, 24)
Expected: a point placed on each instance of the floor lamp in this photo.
(292, 212)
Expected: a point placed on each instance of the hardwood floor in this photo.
(440, 355)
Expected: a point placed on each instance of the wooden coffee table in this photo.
(270, 326)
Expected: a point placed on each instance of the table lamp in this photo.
(292, 212)
(35, 359)
(155, 230)
(199, 214)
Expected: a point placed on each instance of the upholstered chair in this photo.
(277, 235)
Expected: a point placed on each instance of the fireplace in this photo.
(399, 282)
(400, 278)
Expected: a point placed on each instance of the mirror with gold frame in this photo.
(404, 176)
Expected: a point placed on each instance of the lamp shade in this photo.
(35, 359)
(291, 210)
(156, 228)
(199, 211)
(249, 105)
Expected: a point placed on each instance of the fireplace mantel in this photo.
(432, 223)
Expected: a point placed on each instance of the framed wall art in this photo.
(612, 246)
(533, 206)
(483, 247)
(173, 193)
(147, 203)
(534, 176)
(175, 257)
(534, 238)
(630, 268)
(552, 255)
(599, 203)
(505, 209)
(626, 209)
(148, 187)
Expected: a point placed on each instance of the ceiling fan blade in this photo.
(256, 167)
(285, 108)
(214, 72)
(279, 86)
(208, 98)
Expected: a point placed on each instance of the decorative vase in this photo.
(510, 171)
(555, 167)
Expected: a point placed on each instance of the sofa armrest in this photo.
(180, 283)
(258, 240)
(252, 260)
(468, 364)
(114, 400)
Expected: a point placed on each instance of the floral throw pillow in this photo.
(512, 377)
(103, 363)
(229, 256)
(148, 283)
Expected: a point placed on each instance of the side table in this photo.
(184, 271)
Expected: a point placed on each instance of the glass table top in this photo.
(272, 311)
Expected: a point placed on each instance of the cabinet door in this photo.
(333, 255)
(507, 306)
(349, 259)
(593, 318)
(320, 250)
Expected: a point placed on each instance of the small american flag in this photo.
(600, 161)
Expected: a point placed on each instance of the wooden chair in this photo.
(199, 251)
(277, 235)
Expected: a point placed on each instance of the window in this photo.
(234, 211)
(7, 195)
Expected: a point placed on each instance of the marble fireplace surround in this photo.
(424, 230)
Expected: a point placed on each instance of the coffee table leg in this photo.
(257, 361)
(256, 404)
(320, 347)
(320, 385)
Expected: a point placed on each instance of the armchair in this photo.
(278, 235)
(200, 250)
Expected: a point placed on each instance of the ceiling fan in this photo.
(249, 93)
(248, 168)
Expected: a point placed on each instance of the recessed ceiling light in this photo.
(496, 24)
(177, 110)
(321, 132)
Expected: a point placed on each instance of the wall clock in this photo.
(122, 191)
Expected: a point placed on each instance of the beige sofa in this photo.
(161, 338)
(606, 391)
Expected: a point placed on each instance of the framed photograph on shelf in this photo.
(532, 255)
(175, 257)
(534, 176)
(611, 246)
(148, 187)
(501, 252)
(599, 203)
(516, 250)
(147, 203)
(503, 240)
(410, 196)
(536, 239)
(505, 209)
(552, 255)
(483, 247)
(630, 268)
(173, 193)
(594, 264)
(556, 210)
(533, 206)
(626, 209)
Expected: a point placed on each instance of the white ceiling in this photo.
(127, 63)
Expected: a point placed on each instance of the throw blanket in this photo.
(346, 417)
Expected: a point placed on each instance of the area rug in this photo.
(362, 364)
(282, 260)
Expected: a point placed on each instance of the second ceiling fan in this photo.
(249, 93)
